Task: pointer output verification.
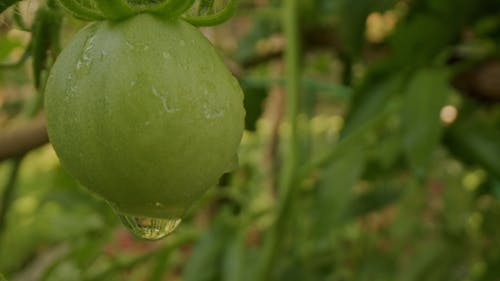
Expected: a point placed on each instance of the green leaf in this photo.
(6, 47)
(352, 20)
(265, 24)
(235, 266)
(476, 141)
(426, 94)
(425, 259)
(419, 40)
(334, 191)
(369, 100)
(377, 199)
(206, 262)
(353, 23)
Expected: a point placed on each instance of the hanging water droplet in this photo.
(149, 228)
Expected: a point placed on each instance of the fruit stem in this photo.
(209, 20)
(115, 9)
(173, 8)
(77, 10)
(287, 185)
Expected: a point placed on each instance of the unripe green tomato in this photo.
(144, 113)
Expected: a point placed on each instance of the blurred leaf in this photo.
(235, 266)
(161, 267)
(476, 141)
(370, 100)
(264, 25)
(426, 94)
(457, 13)
(352, 21)
(291, 269)
(385, 157)
(419, 40)
(334, 191)
(6, 46)
(2, 278)
(425, 259)
(67, 271)
(318, 11)
(379, 198)
(496, 187)
(34, 220)
(334, 91)
(458, 204)
(207, 259)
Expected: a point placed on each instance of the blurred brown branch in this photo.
(18, 139)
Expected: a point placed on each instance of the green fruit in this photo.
(144, 113)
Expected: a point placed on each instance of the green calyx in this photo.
(116, 10)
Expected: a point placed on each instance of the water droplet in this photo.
(149, 228)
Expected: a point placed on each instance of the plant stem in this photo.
(173, 8)
(115, 9)
(8, 192)
(287, 184)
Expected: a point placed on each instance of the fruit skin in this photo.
(144, 113)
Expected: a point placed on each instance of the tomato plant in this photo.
(367, 154)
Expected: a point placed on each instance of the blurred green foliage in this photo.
(400, 167)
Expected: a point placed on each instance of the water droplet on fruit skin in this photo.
(149, 228)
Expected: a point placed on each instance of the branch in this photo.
(23, 138)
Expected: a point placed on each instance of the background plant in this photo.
(372, 151)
